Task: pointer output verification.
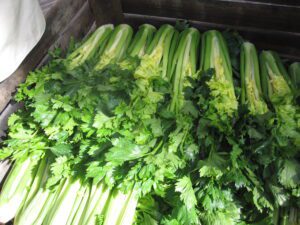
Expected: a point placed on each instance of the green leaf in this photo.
(289, 174)
(62, 149)
(100, 119)
(60, 169)
(124, 150)
(210, 171)
(187, 194)
(260, 201)
(5, 152)
(156, 127)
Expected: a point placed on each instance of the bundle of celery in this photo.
(128, 130)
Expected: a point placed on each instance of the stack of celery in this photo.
(154, 127)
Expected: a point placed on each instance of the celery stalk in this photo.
(127, 215)
(17, 186)
(138, 46)
(185, 66)
(141, 40)
(116, 207)
(155, 62)
(66, 200)
(78, 206)
(172, 55)
(36, 210)
(38, 183)
(214, 55)
(294, 72)
(99, 196)
(80, 210)
(92, 47)
(251, 93)
(275, 81)
(116, 47)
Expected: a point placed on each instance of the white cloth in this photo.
(22, 24)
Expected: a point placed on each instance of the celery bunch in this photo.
(129, 128)
(214, 55)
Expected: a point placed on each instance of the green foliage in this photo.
(136, 130)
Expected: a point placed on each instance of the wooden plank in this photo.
(78, 27)
(270, 2)
(107, 11)
(273, 2)
(285, 43)
(57, 19)
(246, 13)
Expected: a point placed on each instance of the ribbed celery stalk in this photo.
(172, 55)
(99, 196)
(276, 88)
(75, 219)
(90, 48)
(35, 211)
(138, 46)
(274, 78)
(78, 206)
(121, 208)
(215, 55)
(294, 72)
(116, 47)
(63, 206)
(155, 62)
(141, 40)
(35, 189)
(18, 184)
(186, 62)
(114, 208)
(128, 212)
(40, 178)
(286, 216)
(251, 93)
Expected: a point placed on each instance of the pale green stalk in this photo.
(17, 186)
(99, 196)
(186, 62)
(251, 92)
(155, 62)
(81, 209)
(274, 77)
(278, 90)
(141, 40)
(294, 72)
(63, 205)
(36, 210)
(215, 55)
(120, 204)
(92, 47)
(116, 47)
(138, 46)
(128, 213)
(78, 206)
